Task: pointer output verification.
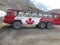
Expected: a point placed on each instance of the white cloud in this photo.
(50, 4)
(53, 4)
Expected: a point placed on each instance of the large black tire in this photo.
(49, 25)
(37, 26)
(17, 25)
(42, 25)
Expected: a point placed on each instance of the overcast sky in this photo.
(47, 4)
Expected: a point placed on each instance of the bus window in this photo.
(8, 13)
(27, 14)
(45, 15)
(55, 16)
(20, 13)
(15, 13)
(34, 15)
(40, 15)
(50, 16)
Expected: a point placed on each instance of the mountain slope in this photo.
(17, 4)
(57, 11)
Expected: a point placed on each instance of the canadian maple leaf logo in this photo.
(29, 21)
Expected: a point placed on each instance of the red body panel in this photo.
(46, 19)
(9, 18)
(57, 20)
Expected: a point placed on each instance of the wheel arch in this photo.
(18, 20)
(49, 22)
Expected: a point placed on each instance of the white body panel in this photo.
(23, 19)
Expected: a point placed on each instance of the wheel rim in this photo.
(42, 25)
(49, 25)
(17, 25)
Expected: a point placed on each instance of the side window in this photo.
(34, 15)
(55, 16)
(15, 13)
(21, 14)
(50, 16)
(27, 14)
(40, 15)
(8, 13)
(45, 15)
